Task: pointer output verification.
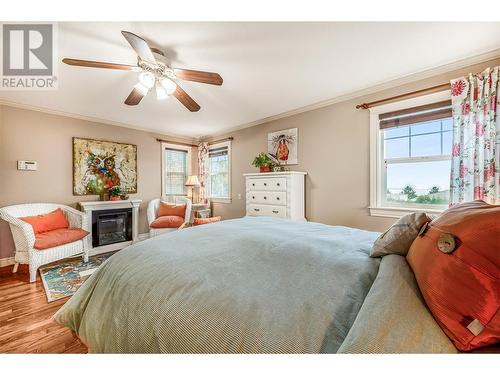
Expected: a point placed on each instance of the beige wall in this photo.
(333, 150)
(47, 138)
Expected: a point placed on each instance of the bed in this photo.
(254, 285)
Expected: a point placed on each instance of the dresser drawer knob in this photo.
(256, 209)
(253, 197)
(277, 198)
(278, 184)
(265, 184)
(275, 211)
(265, 197)
(253, 184)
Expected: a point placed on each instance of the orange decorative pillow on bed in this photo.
(208, 220)
(169, 209)
(167, 222)
(44, 223)
(456, 261)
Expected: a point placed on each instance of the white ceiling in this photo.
(268, 68)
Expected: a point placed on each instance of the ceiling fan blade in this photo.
(134, 97)
(185, 99)
(100, 64)
(140, 47)
(198, 76)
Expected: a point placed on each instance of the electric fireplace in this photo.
(111, 226)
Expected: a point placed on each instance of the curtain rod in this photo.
(432, 89)
(192, 145)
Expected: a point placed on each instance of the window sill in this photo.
(220, 200)
(398, 212)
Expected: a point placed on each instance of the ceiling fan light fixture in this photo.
(147, 79)
(141, 88)
(168, 85)
(161, 93)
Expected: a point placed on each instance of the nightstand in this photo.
(201, 210)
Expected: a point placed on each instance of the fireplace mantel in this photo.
(91, 206)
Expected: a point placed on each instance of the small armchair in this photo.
(24, 237)
(153, 214)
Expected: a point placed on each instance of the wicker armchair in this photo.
(24, 237)
(153, 214)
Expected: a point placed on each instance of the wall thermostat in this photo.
(27, 165)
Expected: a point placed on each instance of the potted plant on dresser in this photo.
(263, 162)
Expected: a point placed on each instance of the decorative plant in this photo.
(115, 191)
(262, 160)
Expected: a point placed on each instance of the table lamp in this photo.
(192, 182)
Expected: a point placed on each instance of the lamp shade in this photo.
(192, 181)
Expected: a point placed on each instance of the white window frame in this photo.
(377, 169)
(164, 146)
(211, 147)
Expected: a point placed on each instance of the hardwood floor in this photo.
(26, 324)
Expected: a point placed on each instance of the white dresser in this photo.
(278, 194)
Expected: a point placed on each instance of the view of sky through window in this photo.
(417, 162)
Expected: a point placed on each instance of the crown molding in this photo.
(373, 89)
(30, 107)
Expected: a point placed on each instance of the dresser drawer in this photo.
(268, 184)
(266, 210)
(267, 197)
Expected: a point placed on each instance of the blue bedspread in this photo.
(251, 285)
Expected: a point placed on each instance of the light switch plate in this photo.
(27, 165)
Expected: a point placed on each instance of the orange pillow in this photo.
(208, 220)
(456, 261)
(167, 222)
(169, 209)
(44, 223)
(58, 237)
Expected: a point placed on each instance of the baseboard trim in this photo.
(4, 262)
(143, 236)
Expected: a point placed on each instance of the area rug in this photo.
(63, 278)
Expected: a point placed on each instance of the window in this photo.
(176, 161)
(410, 163)
(219, 172)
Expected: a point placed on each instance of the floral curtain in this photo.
(202, 170)
(475, 169)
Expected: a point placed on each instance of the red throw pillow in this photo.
(47, 222)
(456, 261)
(167, 222)
(208, 220)
(169, 209)
(58, 237)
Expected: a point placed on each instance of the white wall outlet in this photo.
(27, 165)
(239, 195)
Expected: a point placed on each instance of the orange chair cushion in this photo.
(47, 222)
(456, 262)
(208, 220)
(58, 237)
(169, 209)
(167, 222)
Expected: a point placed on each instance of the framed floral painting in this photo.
(100, 165)
(283, 146)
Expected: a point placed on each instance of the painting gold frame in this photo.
(129, 186)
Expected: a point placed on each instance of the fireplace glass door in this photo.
(111, 226)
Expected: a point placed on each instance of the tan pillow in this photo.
(399, 237)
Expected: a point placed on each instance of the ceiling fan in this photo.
(154, 72)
